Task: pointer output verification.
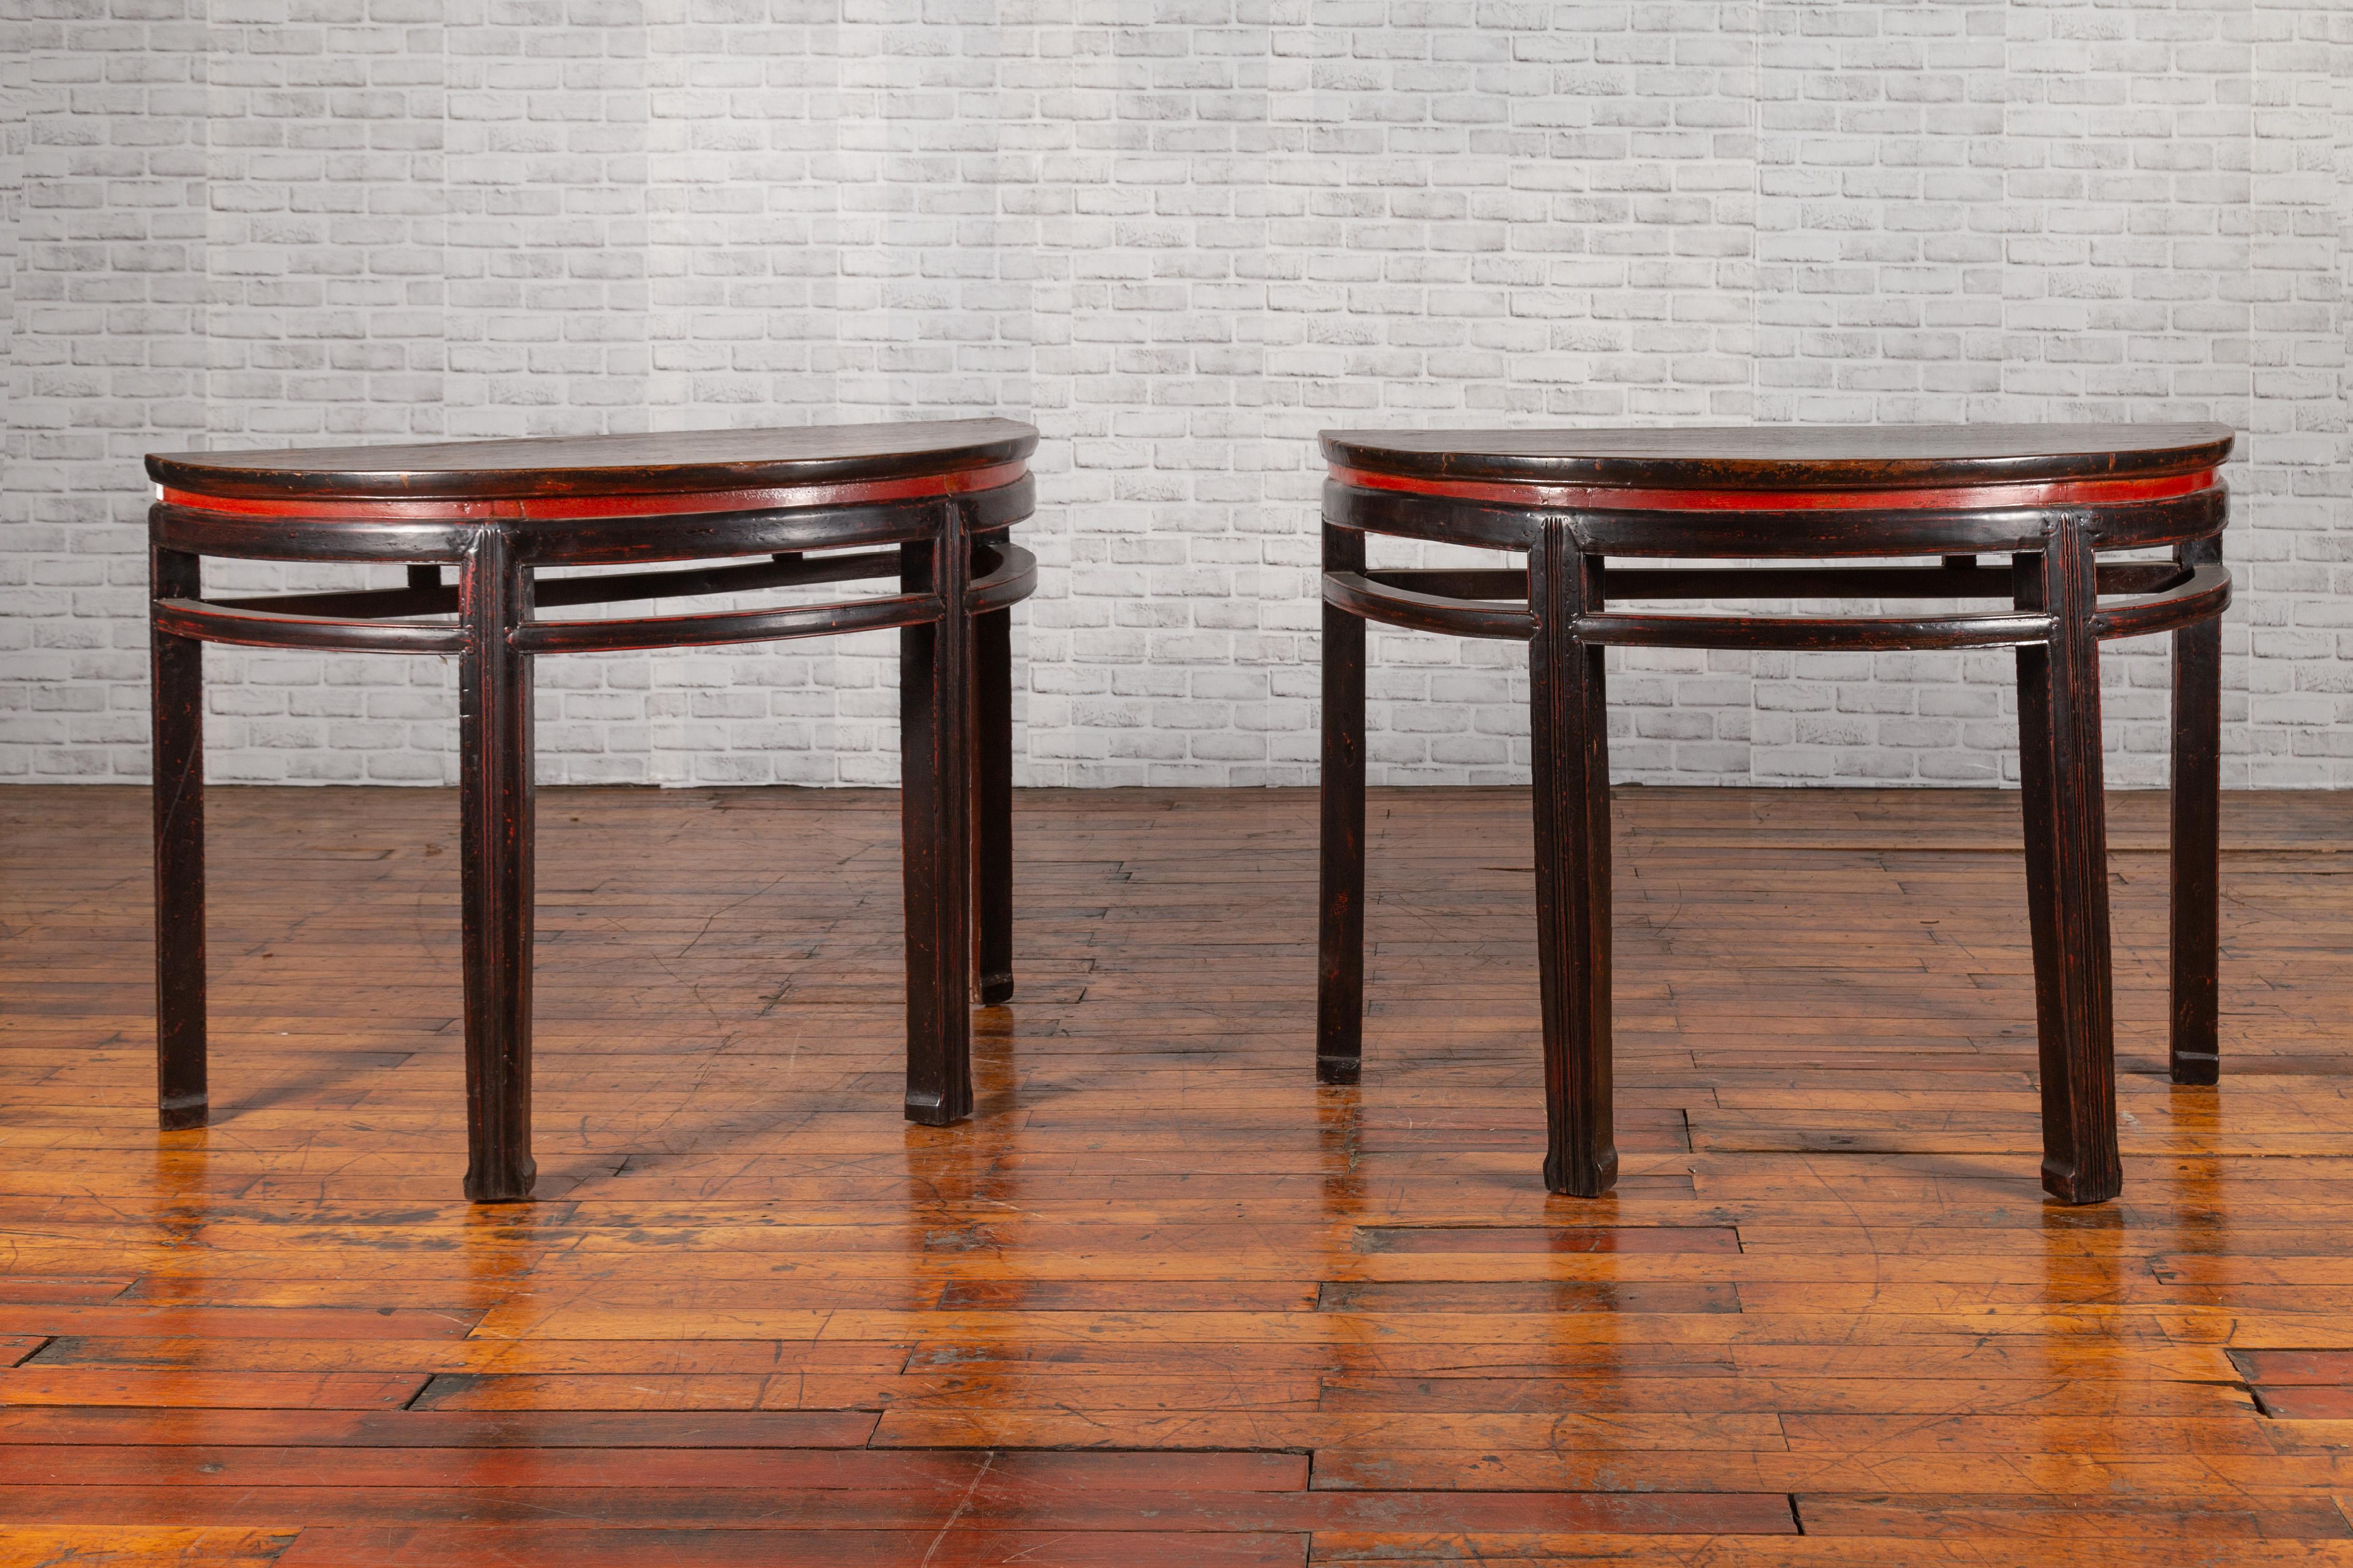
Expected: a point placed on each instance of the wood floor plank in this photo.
(38, 1546)
(846, 1363)
(77, 1385)
(1865, 1473)
(397, 1547)
(236, 1322)
(1163, 1298)
(1481, 1240)
(692, 1468)
(1255, 1391)
(1854, 1433)
(1964, 1517)
(2275, 1368)
(412, 1429)
(984, 1424)
(78, 1289)
(776, 1491)
(1546, 1296)
(1489, 1551)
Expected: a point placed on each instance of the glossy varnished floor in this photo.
(1162, 1300)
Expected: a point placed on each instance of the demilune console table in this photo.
(928, 504)
(2045, 500)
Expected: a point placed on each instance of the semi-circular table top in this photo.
(1784, 457)
(651, 463)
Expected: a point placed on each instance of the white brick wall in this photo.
(1180, 236)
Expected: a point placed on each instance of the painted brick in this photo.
(1181, 239)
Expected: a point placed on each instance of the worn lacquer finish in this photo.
(1570, 727)
(2195, 1033)
(178, 698)
(1340, 901)
(939, 496)
(2052, 497)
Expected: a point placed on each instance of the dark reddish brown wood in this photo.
(661, 503)
(1475, 603)
(2051, 495)
(494, 801)
(1802, 534)
(1569, 725)
(1961, 578)
(2065, 492)
(720, 627)
(178, 695)
(2307, 1402)
(2067, 870)
(500, 511)
(378, 530)
(1340, 936)
(936, 799)
(2286, 1368)
(1999, 628)
(2194, 1045)
(427, 595)
(1363, 598)
(992, 636)
(1799, 458)
(661, 463)
(195, 621)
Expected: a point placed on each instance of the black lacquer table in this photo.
(928, 504)
(2045, 500)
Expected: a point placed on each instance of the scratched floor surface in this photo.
(1162, 1300)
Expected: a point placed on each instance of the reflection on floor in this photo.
(1163, 1301)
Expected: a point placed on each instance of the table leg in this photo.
(2196, 1047)
(179, 802)
(1570, 729)
(935, 805)
(993, 810)
(2067, 870)
(494, 743)
(1340, 929)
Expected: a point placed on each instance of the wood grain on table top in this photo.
(1787, 457)
(653, 461)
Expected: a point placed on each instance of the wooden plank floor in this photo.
(1163, 1301)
